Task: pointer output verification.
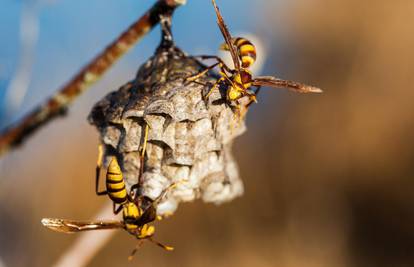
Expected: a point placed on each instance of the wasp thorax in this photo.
(131, 211)
(234, 94)
(246, 77)
(243, 78)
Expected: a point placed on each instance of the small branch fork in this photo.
(58, 103)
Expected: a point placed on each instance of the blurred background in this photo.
(329, 178)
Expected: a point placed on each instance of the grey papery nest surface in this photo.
(189, 138)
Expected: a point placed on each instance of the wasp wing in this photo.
(227, 37)
(149, 215)
(69, 226)
(279, 83)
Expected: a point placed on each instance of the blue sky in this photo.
(72, 32)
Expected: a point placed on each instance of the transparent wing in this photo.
(279, 83)
(69, 226)
(227, 37)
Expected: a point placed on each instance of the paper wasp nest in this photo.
(189, 138)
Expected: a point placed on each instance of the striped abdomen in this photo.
(246, 51)
(115, 185)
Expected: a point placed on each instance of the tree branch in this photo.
(58, 103)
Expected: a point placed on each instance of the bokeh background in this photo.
(329, 179)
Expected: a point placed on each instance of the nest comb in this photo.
(189, 138)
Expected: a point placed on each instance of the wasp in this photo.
(137, 211)
(239, 80)
(115, 184)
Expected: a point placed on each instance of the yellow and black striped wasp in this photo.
(137, 211)
(115, 184)
(238, 81)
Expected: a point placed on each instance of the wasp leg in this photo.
(98, 171)
(132, 195)
(138, 246)
(202, 73)
(216, 84)
(165, 191)
(144, 145)
(227, 78)
(168, 248)
(200, 83)
(142, 157)
(223, 77)
(219, 60)
(143, 149)
(253, 97)
(115, 209)
(223, 68)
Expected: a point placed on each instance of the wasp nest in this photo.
(189, 138)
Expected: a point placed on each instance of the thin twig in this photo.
(59, 102)
(88, 243)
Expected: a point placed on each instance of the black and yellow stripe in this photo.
(131, 214)
(115, 184)
(246, 51)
